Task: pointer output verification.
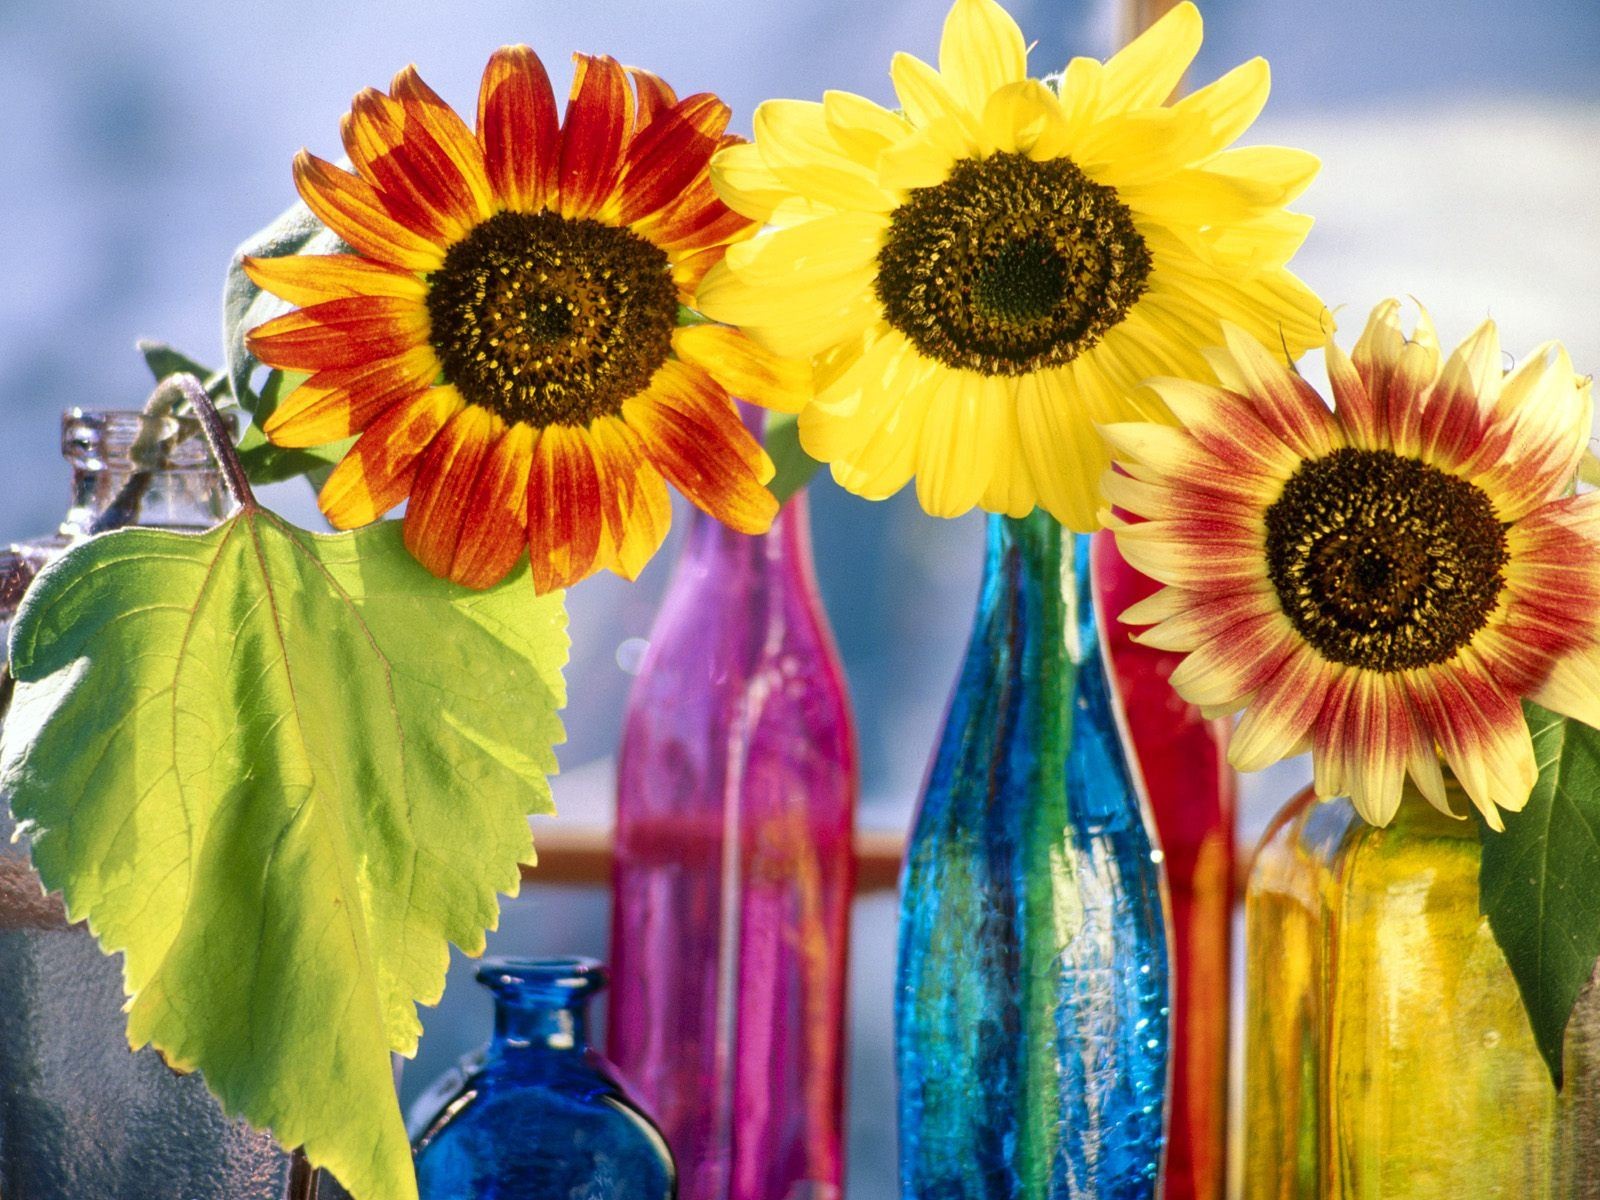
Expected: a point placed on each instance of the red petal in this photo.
(495, 532)
(445, 129)
(669, 154)
(519, 129)
(566, 514)
(340, 333)
(446, 489)
(599, 120)
(416, 179)
(692, 432)
(353, 209)
(340, 401)
(377, 473)
(655, 95)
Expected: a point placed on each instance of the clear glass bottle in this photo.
(1387, 1050)
(82, 1118)
(536, 1114)
(1032, 1007)
(1193, 793)
(734, 871)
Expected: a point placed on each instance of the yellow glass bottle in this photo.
(1387, 1051)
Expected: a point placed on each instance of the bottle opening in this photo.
(565, 974)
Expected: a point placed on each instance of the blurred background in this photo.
(142, 141)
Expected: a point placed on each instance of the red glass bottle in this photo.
(1183, 758)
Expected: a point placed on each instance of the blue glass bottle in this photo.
(537, 1114)
(1032, 1013)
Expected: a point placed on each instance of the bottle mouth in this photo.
(556, 974)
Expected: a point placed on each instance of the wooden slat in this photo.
(580, 855)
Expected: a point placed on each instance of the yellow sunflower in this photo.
(1381, 584)
(984, 276)
(505, 338)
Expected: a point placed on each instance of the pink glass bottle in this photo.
(1192, 793)
(734, 869)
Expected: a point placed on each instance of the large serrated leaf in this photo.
(281, 772)
(1540, 882)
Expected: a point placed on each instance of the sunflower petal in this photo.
(1146, 71)
(980, 51)
(565, 508)
(744, 369)
(377, 472)
(335, 403)
(353, 209)
(519, 129)
(667, 155)
(340, 333)
(599, 121)
(495, 531)
(637, 507)
(445, 128)
(692, 432)
(446, 489)
(955, 459)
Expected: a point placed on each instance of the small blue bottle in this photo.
(537, 1114)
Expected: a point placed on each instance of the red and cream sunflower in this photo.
(1383, 583)
(505, 338)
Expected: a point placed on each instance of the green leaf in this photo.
(280, 772)
(1589, 469)
(1540, 881)
(794, 466)
(244, 305)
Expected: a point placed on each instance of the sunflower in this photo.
(506, 336)
(984, 276)
(1383, 583)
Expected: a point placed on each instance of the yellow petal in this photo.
(1231, 104)
(1025, 118)
(1063, 450)
(797, 145)
(861, 128)
(981, 51)
(1147, 70)
(926, 98)
(956, 453)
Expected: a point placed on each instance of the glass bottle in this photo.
(1193, 794)
(1387, 1050)
(1032, 1005)
(734, 870)
(82, 1118)
(537, 1114)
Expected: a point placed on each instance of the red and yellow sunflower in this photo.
(506, 337)
(1381, 584)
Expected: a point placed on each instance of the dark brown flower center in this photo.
(550, 320)
(1384, 562)
(1010, 265)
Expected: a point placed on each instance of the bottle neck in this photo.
(1036, 602)
(521, 1026)
(541, 1005)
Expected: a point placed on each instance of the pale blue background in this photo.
(141, 141)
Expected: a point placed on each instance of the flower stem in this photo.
(303, 1177)
(217, 437)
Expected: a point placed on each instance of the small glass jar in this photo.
(80, 1116)
(537, 1113)
(1387, 1050)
